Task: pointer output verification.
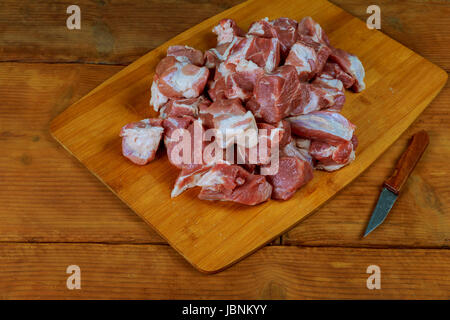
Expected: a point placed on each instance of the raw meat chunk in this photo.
(331, 70)
(312, 97)
(158, 99)
(220, 108)
(214, 56)
(309, 30)
(269, 139)
(293, 173)
(180, 79)
(284, 29)
(188, 178)
(231, 122)
(186, 54)
(262, 28)
(331, 158)
(226, 30)
(183, 107)
(235, 80)
(330, 127)
(304, 59)
(286, 137)
(293, 150)
(140, 140)
(265, 53)
(233, 183)
(326, 81)
(351, 65)
(308, 58)
(262, 51)
(322, 52)
(183, 131)
(274, 94)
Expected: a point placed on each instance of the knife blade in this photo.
(393, 185)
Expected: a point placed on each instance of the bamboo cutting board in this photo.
(214, 235)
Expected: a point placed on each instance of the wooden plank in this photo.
(420, 216)
(420, 25)
(46, 195)
(38, 271)
(119, 32)
(112, 32)
(212, 236)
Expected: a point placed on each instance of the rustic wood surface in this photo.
(213, 236)
(158, 272)
(47, 196)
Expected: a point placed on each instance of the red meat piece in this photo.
(226, 30)
(233, 183)
(326, 126)
(284, 29)
(180, 79)
(275, 94)
(184, 107)
(293, 173)
(352, 66)
(309, 30)
(331, 158)
(187, 54)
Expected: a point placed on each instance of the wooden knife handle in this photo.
(407, 161)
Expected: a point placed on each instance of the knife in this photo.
(393, 185)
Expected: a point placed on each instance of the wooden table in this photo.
(54, 213)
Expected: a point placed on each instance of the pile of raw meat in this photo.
(282, 80)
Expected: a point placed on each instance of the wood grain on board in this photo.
(212, 236)
(38, 271)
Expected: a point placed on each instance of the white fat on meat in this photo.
(157, 99)
(183, 82)
(226, 53)
(303, 143)
(211, 179)
(189, 179)
(256, 28)
(301, 57)
(357, 71)
(140, 141)
(332, 127)
(334, 167)
(226, 30)
(271, 62)
(292, 150)
(313, 102)
(326, 80)
(240, 128)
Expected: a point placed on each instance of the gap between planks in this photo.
(279, 242)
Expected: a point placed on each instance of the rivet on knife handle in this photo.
(407, 162)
